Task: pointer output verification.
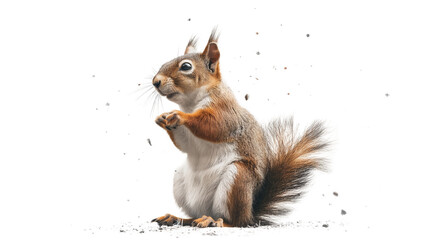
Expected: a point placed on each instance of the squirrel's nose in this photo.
(156, 83)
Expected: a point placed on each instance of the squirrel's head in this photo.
(186, 77)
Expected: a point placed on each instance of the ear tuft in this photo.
(214, 36)
(191, 47)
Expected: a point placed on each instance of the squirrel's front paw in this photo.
(169, 120)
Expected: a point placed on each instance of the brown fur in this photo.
(240, 196)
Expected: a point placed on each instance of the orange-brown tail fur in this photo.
(291, 161)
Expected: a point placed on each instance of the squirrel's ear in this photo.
(191, 48)
(212, 54)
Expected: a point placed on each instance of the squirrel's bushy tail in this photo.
(291, 160)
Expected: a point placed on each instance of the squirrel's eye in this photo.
(186, 66)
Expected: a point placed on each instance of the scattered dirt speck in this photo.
(343, 212)
(387, 94)
(308, 35)
(285, 68)
(257, 33)
(189, 19)
(325, 225)
(107, 104)
(335, 194)
(210, 234)
(93, 75)
(246, 97)
(288, 93)
(148, 141)
(258, 53)
(121, 231)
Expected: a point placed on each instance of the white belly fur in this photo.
(201, 185)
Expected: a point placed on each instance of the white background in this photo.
(74, 157)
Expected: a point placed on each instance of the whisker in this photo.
(154, 105)
(143, 87)
(155, 99)
(154, 71)
(145, 92)
(159, 102)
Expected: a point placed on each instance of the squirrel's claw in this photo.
(169, 120)
(167, 219)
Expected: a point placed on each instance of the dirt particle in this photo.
(148, 141)
(256, 78)
(258, 53)
(343, 212)
(189, 19)
(257, 33)
(93, 75)
(246, 97)
(285, 68)
(335, 194)
(142, 231)
(325, 225)
(308, 35)
(107, 104)
(288, 93)
(210, 234)
(387, 95)
(121, 230)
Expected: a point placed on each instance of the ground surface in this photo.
(81, 156)
(300, 230)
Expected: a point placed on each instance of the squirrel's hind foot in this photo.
(170, 220)
(207, 221)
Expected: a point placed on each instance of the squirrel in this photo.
(237, 172)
